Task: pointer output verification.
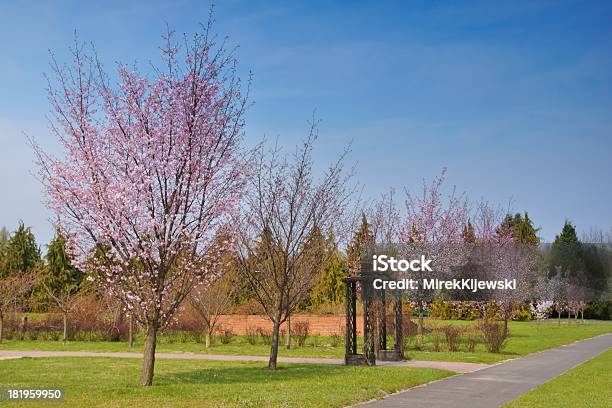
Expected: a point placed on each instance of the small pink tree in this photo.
(151, 169)
(385, 219)
(433, 227)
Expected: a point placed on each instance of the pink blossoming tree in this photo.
(506, 258)
(433, 227)
(151, 170)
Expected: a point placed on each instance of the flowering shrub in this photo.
(541, 310)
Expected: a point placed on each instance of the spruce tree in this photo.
(519, 228)
(62, 281)
(566, 252)
(329, 288)
(4, 241)
(524, 231)
(22, 252)
(61, 276)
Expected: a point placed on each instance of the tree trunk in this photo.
(23, 328)
(131, 331)
(582, 315)
(420, 327)
(65, 327)
(559, 317)
(288, 338)
(148, 363)
(505, 324)
(274, 345)
(207, 339)
(1, 326)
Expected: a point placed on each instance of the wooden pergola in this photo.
(374, 322)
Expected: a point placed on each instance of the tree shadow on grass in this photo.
(252, 374)
(515, 335)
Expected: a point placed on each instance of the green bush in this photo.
(440, 310)
(521, 314)
(599, 309)
(454, 310)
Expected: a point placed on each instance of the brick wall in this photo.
(323, 325)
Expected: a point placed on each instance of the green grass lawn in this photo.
(112, 382)
(526, 338)
(588, 385)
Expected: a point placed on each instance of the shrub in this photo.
(472, 341)
(316, 340)
(251, 335)
(452, 335)
(301, 330)
(440, 310)
(599, 309)
(32, 335)
(491, 311)
(266, 335)
(454, 310)
(225, 335)
(494, 335)
(436, 339)
(199, 337)
(466, 310)
(408, 340)
(521, 314)
(185, 337)
(337, 337)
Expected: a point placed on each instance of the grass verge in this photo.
(112, 382)
(588, 385)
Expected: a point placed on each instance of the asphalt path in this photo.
(501, 383)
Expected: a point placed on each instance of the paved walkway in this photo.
(457, 367)
(498, 384)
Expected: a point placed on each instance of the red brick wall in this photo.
(324, 325)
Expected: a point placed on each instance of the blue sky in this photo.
(515, 99)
